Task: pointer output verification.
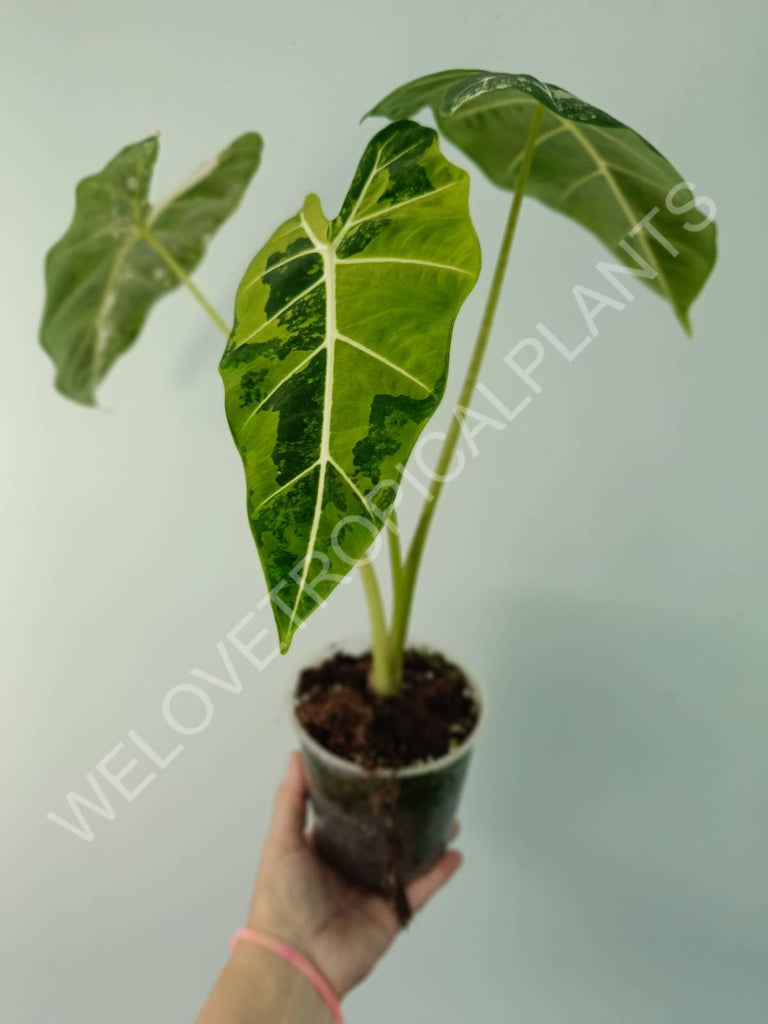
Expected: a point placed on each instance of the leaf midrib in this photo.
(622, 201)
(327, 252)
(136, 230)
(102, 333)
(329, 277)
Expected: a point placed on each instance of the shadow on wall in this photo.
(624, 772)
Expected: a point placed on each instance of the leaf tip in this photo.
(373, 112)
(286, 639)
(253, 140)
(86, 398)
(685, 322)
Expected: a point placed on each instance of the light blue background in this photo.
(601, 565)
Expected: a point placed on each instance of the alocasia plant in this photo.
(339, 351)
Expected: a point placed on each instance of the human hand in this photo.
(298, 898)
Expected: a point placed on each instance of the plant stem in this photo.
(404, 596)
(168, 259)
(395, 554)
(396, 569)
(381, 681)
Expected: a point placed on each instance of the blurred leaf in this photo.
(104, 274)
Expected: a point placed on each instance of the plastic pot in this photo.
(383, 828)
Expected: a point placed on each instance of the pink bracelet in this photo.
(302, 965)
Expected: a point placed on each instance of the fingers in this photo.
(421, 891)
(286, 831)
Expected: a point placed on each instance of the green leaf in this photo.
(587, 165)
(339, 356)
(111, 266)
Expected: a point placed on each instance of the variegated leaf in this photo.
(587, 165)
(339, 356)
(104, 274)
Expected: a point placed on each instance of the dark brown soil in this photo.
(434, 712)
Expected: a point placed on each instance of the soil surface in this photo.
(433, 714)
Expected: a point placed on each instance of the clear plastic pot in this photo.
(383, 828)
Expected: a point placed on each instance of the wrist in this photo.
(298, 965)
(271, 989)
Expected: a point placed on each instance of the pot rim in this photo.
(411, 771)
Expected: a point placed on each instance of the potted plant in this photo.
(335, 363)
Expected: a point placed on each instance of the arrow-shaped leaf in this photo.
(111, 266)
(338, 358)
(587, 165)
